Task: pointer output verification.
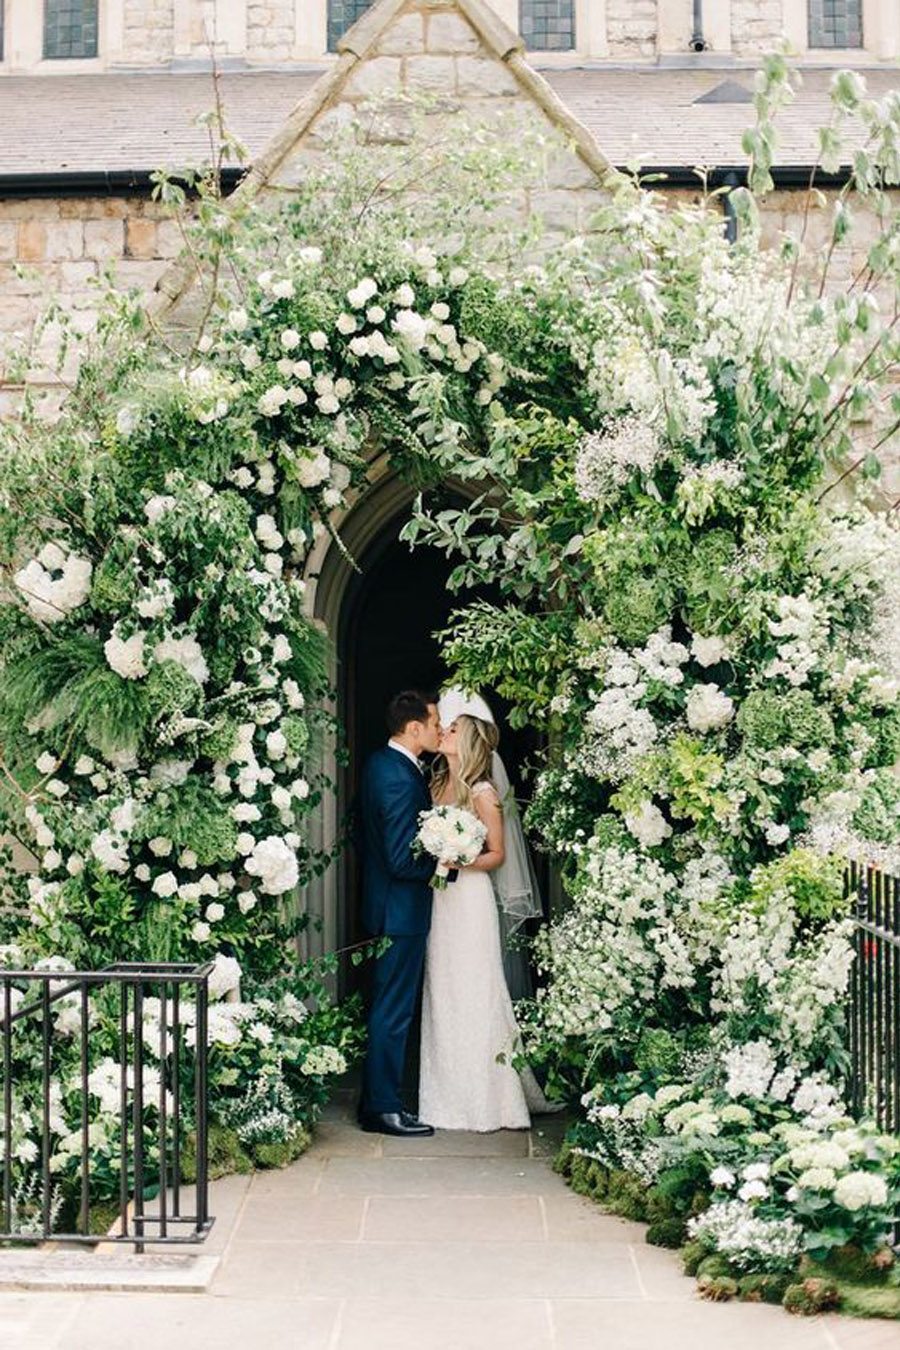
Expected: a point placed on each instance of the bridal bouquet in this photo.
(453, 836)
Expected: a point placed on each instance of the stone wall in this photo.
(148, 32)
(631, 28)
(756, 26)
(61, 245)
(270, 30)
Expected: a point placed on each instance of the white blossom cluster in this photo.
(751, 1242)
(800, 628)
(766, 967)
(605, 461)
(54, 583)
(615, 947)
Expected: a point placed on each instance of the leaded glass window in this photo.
(342, 14)
(70, 28)
(835, 23)
(547, 25)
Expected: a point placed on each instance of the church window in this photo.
(835, 23)
(547, 25)
(342, 14)
(70, 29)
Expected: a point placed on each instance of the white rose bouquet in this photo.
(454, 836)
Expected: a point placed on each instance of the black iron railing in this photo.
(874, 1013)
(151, 1022)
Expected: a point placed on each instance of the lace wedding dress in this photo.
(468, 1018)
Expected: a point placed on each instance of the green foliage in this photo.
(815, 885)
(768, 719)
(878, 812)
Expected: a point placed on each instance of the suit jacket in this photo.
(396, 883)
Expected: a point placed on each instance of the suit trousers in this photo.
(395, 987)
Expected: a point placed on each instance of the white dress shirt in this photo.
(395, 745)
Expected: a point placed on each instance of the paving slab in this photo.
(148, 1322)
(439, 1176)
(429, 1269)
(587, 1324)
(459, 1242)
(471, 1218)
(447, 1324)
(851, 1333)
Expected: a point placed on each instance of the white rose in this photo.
(238, 319)
(276, 744)
(215, 912)
(165, 884)
(311, 472)
(318, 340)
(405, 296)
(284, 289)
(200, 931)
(290, 339)
(159, 846)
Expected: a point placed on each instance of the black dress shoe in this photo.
(393, 1122)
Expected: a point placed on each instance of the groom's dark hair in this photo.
(409, 706)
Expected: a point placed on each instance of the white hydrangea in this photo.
(185, 652)
(111, 851)
(126, 656)
(749, 1069)
(709, 651)
(54, 583)
(861, 1190)
(648, 825)
(412, 328)
(275, 864)
(708, 708)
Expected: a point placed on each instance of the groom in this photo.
(396, 902)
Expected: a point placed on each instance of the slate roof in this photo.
(114, 122)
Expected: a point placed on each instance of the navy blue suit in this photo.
(397, 902)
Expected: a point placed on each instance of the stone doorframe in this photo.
(328, 576)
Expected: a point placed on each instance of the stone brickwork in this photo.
(148, 32)
(431, 47)
(756, 26)
(62, 246)
(270, 30)
(631, 28)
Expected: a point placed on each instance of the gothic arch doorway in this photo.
(381, 619)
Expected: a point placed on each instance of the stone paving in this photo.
(460, 1242)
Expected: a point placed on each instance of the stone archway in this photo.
(380, 619)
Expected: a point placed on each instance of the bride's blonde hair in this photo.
(477, 740)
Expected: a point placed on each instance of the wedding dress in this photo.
(468, 1017)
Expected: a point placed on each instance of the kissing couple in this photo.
(448, 936)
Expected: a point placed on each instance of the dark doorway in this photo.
(385, 643)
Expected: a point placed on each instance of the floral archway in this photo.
(649, 418)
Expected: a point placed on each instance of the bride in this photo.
(467, 1012)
